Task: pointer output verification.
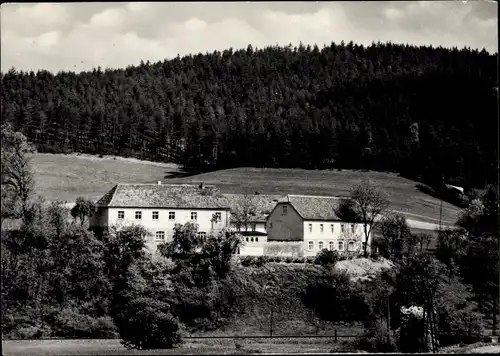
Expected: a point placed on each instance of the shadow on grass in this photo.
(186, 172)
(445, 195)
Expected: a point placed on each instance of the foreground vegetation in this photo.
(420, 111)
(60, 279)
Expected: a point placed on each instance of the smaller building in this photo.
(248, 217)
(302, 225)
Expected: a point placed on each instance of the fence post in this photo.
(335, 335)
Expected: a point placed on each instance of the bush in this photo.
(375, 339)
(72, 324)
(29, 332)
(146, 324)
(326, 257)
(309, 259)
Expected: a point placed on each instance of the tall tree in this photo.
(17, 178)
(370, 204)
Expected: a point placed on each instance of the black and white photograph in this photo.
(238, 178)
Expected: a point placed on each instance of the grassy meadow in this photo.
(190, 347)
(65, 177)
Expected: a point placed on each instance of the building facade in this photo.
(158, 207)
(310, 224)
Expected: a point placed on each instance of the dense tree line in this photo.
(422, 111)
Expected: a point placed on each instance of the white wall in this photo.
(253, 245)
(109, 217)
(327, 235)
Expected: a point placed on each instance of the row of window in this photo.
(331, 245)
(332, 228)
(155, 215)
(251, 239)
(160, 235)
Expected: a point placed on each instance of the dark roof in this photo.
(312, 207)
(175, 196)
(264, 204)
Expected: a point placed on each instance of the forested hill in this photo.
(416, 110)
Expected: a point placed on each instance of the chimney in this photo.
(159, 182)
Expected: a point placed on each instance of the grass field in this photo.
(64, 177)
(191, 347)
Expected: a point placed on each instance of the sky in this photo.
(81, 36)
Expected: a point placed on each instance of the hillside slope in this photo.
(65, 177)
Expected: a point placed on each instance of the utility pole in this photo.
(388, 320)
(271, 326)
(441, 205)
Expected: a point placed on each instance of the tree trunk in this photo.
(365, 247)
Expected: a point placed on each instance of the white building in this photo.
(303, 225)
(158, 207)
(248, 217)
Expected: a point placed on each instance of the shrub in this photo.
(375, 339)
(72, 324)
(146, 323)
(29, 332)
(247, 261)
(326, 257)
(309, 259)
(289, 259)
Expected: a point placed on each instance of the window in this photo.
(251, 239)
(160, 235)
(285, 210)
(238, 228)
(246, 239)
(121, 214)
(256, 239)
(351, 246)
(320, 245)
(331, 227)
(341, 245)
(254, 226)
(171, 215)
(218, 216)
(270, 225)
(194, 215)
(310, 227)
(202, 235)
(352, 228)
(321, 227)
(311, 245)
(138, 215)
(342, 228)
(155, 215)
(330, 245)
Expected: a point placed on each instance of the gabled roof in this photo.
(263, 203)
(174, 196)
(311, 207)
